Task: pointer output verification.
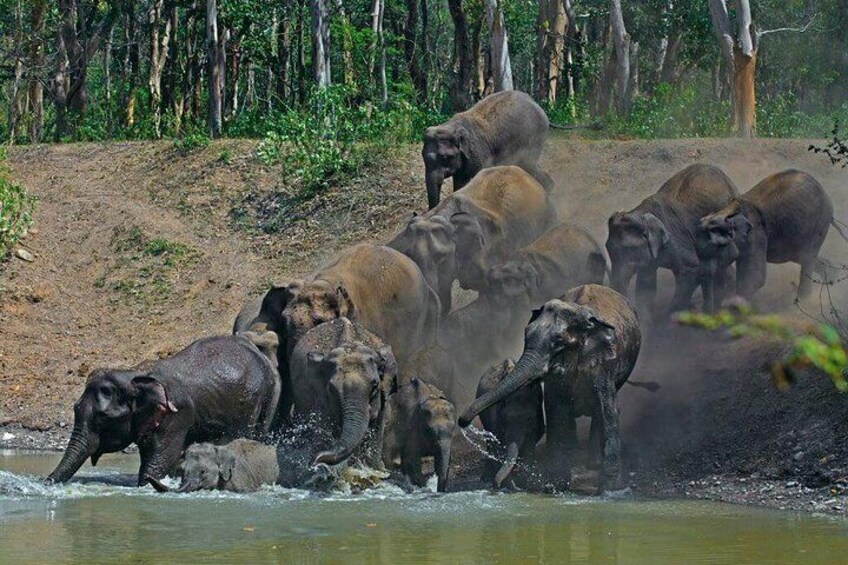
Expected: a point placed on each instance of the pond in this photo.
(101, 517)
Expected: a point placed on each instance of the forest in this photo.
(377, 70)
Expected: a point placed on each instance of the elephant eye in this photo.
(105, 391)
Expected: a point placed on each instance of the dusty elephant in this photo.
(784, 218)
(563, 257)
(216, 388)
(517, 422)
(420, 422)
(660, 233)
(500, 211)
(584, 347)
(507, 128)
(377, 286)
(242, 465)
(342, 374)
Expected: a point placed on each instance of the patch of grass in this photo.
(225, 156)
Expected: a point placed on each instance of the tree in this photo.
(626, 60)
(552, 24)
(411, 51)
(159, 39)
(500, 68)
(461, 87)
(320, 43)
(216, 63)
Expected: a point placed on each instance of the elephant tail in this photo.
(650, 386)
(839, 225)
(595, 126)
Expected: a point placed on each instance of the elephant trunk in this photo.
(442, 461)
(187, 486)
(434, 179)
(508, 464)
(532, 365)
(620, 277)
(157, 484)
(81, 446)
(354, 430)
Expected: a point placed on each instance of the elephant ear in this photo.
(741, 227)
(226, 460)
(387, 366)
(150, 404)
(655, 234)
(469, 233)
(461, 140)
(344, 307)
(600, 339)
(274, 302)
(535, 314)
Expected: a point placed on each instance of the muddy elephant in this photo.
(563, 257)
(242, 465)
(660, 233)
(216, 388)
(500, 211)
(342, 374)
(420, 422)
(377, 286)
(784, 218)
(517, 423)
(507, 128)
(584, 348)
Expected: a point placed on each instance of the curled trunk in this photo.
(354, 430)
(531, 366)
(80, 448)
(158, 485)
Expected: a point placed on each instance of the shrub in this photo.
(16, 208)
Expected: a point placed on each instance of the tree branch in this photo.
(794, 29)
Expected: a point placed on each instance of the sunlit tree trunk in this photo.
(159, 39)
(214, 56)
(36, 63)
(501, 69)
(283, 49)
(625, 86)
(551, 26)
(320, 43)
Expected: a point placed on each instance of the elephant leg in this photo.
(411, 466)
(805, 283)
(685, 283)
(646, 292)
(561, 436)
(596, 441)
(610, 475)
(161, 453)
(751, 275)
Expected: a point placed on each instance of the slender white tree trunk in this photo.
(320, 43)
(500, 69)
(216, 82)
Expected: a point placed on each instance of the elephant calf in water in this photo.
(584, 347)
(517, 422)
(215, 388)
(784, 218)
(420, 422)
(242, 465)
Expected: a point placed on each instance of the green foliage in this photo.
(836, 149)
(16, 208)
(191, 142)
(822, 349)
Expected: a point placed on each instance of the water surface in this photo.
(102, 518)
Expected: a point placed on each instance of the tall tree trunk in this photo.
(300, 82)
(461, 87)
(740, 57)
(131, 64)
(551, 27)
(411, 51)
(501, 69)
(478, 70)
(216, 83)
(283, 49)
(35, 72)
(159, 40)
(624, 90)
(348, 78)
(17, 98)
(384, 87)
(320, 43)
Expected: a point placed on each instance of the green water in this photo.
(99, 520)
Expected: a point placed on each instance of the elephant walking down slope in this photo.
(216, 388)
(660, 232)
(507, 128)
(784, 218)
(500, 211)
(584, 347)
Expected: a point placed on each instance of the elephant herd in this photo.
(367, 360)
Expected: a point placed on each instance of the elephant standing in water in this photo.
(374, 285)
(217, 387)
(517, 422)
(507, 128)
(584, 347)
(420, 422)
(242, 465)
(784, 218)
(342, 373)
(660, 232)
(501, 210)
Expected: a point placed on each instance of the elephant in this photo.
(216, 388)
(243, 465)
(507, 128)
(517, 422)
(563, 257)
(584, 346)
(501, 210)
(377, 286)
(420, 422)
(267, 342)
(342, 373)
(660, 232)
(784, 218)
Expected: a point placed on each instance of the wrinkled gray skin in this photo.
(342, 373)
(784, 218)
(501, 210)
(242, 465)
(584, 347)
(517, 422)
(660, 233)
(377, 286)
(420, 422)
(563, 257)
(507, 128)
(216, 388)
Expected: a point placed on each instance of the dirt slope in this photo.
(138, 253)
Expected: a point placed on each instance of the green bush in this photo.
(16, 208)
(191, 141)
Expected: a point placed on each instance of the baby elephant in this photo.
(420, 423)
(516, 421)
(242, 465)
